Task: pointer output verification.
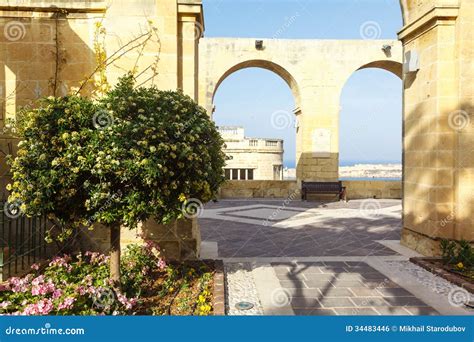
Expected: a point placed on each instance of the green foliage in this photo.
(137, 264)
(455, 253)
(137, 153)
(448, 251)
(465, 254)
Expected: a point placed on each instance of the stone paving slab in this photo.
(347, 290)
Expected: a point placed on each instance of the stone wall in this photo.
(49, 48)
(290, 189)
(179, 240)
(373, 189)
(438, 123)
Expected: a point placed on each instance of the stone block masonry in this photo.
(179, 240)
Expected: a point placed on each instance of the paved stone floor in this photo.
(344, 288)
(301, 229)
(290, 257)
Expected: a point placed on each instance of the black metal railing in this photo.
(22, 241)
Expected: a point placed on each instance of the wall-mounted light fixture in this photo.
(387, 49)
(259, 44)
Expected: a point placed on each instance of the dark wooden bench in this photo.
(323, 188)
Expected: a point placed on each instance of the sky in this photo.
(371, 101)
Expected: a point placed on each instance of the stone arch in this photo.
(263, 64)
(394, 67)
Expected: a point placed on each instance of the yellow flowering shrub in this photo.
(134, 154)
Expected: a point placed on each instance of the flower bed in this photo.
(455, 265)
(80, 285)
(446, 271)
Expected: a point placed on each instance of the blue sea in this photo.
(291, 163)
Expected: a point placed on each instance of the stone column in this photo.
(438, 180)
(190, 30)
(317, 155)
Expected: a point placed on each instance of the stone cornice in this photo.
(191, 8)
(84, 6)
(433, 17)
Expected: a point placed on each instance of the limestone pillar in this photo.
(437, 124)
(190, 30)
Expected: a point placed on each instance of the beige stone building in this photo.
(251, 158)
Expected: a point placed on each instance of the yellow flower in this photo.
(460, 265)
(182, 197)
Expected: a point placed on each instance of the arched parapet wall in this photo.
(315, 71)
(311, 68)
(220, 57)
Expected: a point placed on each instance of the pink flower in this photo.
(67, 304)
(82, 290)
(61, 261)
(5, 304)
(5, 287)
(38, 280)
(43, 307)
(35, 267)
(42, 289)
(20, 284)
(57, 293)
(97, 258)
(128, 303)
(161, 264)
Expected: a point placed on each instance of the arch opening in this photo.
(370, 124)
(254, 112)
(263, 64)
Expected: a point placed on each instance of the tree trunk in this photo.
(115, 254)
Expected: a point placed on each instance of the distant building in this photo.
(251, 158)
